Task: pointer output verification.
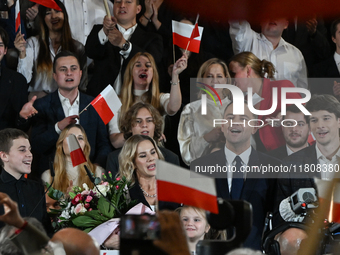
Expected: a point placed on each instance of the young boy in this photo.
(15, 160)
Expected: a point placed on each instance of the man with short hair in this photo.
(295, 131)
(15, 160)
(287, 59)
(114, 43)
(141, 119)
(61, 108)
(13, 89)
(240, 185)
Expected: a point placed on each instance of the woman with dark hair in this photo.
(141, 83)
(251, 72)
(37, 54)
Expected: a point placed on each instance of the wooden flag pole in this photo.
(107, 9)
(84, 109)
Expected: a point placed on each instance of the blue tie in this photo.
(237, 183)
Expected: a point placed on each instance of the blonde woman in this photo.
(196, 134)
(66, 175)
(141, 83)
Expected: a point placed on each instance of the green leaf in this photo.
(85, 221)
(95, 214)
(105, 208)
(87, 230)
(72, 195)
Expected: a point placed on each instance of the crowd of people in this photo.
(61, 59)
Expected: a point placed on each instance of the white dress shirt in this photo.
(327, 164)
(287, 59)
(337, 60)
(230, 156)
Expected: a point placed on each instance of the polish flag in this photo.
(48, 3)
(323, 187)
(17, 16)
(179, 185)
(76, 153)
(183, 33)
(106, 104)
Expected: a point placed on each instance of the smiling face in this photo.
(296, 137)
(144, 124)
(80, 137)
(54, 20)
(145, 161)
(67, 73)
(215, 75)
(142, 73)
(125, 12)
(195, 223)
(19, 158)
(325, 127)
(274, 28)
(238, 135)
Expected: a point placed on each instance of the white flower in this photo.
(85, 186)
(65, 214)
(80, 209)
(102, 188)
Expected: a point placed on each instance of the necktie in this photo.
(237, 182)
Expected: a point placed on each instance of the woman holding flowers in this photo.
(65, 174)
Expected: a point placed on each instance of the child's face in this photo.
(195, 224)
(19, 158)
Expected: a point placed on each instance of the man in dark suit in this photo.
(296, 133)
(13, 89)
(141, 119)
(329, 68)
(249, 186)
(114, 43)
(61, 108)
(324, 123)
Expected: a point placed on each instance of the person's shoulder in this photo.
(114, 154)
(11, 74)
(214, 157)
(301, 155)
(168, 154)
(268, 159)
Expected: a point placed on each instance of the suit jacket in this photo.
(44, 136)
(107, 60)
(13, 95)
(325, 69)
(290, 183)
(259, 192)
(112, 163)
(279, 153)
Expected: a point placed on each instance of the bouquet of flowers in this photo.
(85, 208)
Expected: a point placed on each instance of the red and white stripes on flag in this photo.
(179, 185)
(106, 104)
(17, 16)
(323, 187)
(76, 153)
(183, 33)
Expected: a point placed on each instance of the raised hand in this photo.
(11, 216)
(20, 44)
(109, 24)
(28, 111)
(116, 38)
(32, 12)
(180, 65)
(67, 121)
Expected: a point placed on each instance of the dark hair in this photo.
(231, 102)
(137, 2)
(4, 37)
(7, 136)
(44, 61)
(64, 53)
(129, 118)
(334, 27)
(260, 67)
(324, 103)
(294, 109)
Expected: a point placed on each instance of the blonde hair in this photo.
(151, 97)
(128, 155)
(61, 180)
(204, 68)
(260, 67)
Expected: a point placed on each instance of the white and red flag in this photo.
(106, 104)
(48, 3)
(179, 185)
(17, 16)
(187, 36)
(323, 187)
(76, 153)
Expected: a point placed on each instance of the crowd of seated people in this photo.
(44, 94)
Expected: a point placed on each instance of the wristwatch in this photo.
(126, 46)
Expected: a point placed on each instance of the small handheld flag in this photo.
(48, 3)
(76, 153)
(17, 16)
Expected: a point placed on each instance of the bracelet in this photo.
(18, 231)
(174, 83)
(149, 20)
